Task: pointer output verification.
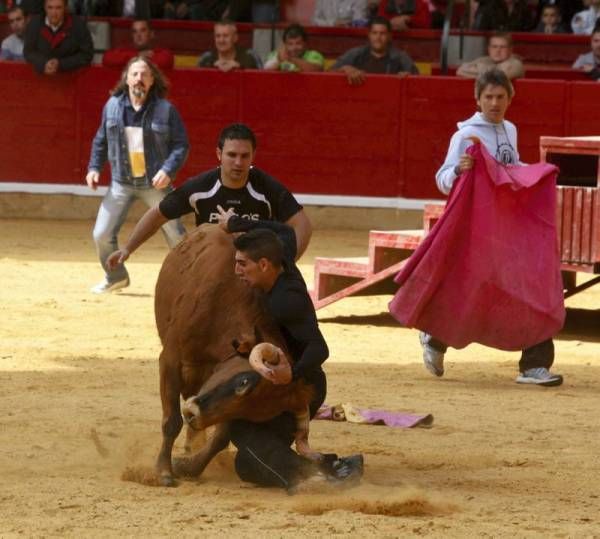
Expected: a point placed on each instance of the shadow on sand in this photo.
(580, 324)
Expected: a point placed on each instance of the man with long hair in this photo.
(143, 137)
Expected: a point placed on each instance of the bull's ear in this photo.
(258, 338)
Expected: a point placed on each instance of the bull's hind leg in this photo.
(193, 466)
(172, 422)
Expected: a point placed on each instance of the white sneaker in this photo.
(432, 358)
(105, 286)
(540, 376)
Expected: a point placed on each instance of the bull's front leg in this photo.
(193, 466)
(301, 436)
(172, 422)
(193, 439)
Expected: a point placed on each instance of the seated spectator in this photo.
(293, 54)
(583, 22)
(551, 21)
(590, 61)
(57, 41)
(505, 15)
(142, 37)
(499, 56)
(405, 14)
(12, 46)
(227, 54)
(567, 9)
(340, 13)
(378, 56)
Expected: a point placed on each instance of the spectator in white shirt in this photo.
(12, 46)
(583, 22)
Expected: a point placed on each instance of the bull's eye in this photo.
(243, 386)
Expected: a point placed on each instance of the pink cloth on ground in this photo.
(352, 414)
(489, 270)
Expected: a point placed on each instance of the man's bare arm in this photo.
(145, 228)
(303, 230)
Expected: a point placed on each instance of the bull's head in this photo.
(238, 389)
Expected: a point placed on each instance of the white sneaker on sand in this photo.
(540, 376)
(105, 286)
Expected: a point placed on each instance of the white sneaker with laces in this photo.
(105, 286)
(432, 358)
(540, 376)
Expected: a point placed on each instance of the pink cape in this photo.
(489, 270)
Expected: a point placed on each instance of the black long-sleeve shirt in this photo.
(289, 303)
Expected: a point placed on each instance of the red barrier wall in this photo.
(316, 133)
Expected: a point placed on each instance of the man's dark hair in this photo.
(236, 132)
(380, 20)
(261, 243)
(554, 7)
(160, 88)
(493, 77)
(295, 30)
(17, 8)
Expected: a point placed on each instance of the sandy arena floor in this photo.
(501, 460)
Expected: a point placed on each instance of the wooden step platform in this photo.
(388, 250)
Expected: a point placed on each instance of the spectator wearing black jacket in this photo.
(567, 9)
(57, 41)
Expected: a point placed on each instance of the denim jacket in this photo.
(165, 140)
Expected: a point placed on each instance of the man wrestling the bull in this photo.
(264, 260)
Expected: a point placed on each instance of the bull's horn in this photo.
(266, 354)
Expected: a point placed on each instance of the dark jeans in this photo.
(538, 355)
(264, 454)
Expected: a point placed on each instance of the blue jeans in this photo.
(112, 214)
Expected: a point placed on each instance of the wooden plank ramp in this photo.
(388, 250)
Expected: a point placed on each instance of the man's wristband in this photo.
(457, 170)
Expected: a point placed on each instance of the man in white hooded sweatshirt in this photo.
(493, 93)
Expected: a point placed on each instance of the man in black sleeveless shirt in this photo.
(250, 192)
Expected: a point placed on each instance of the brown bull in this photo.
(201, 308)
